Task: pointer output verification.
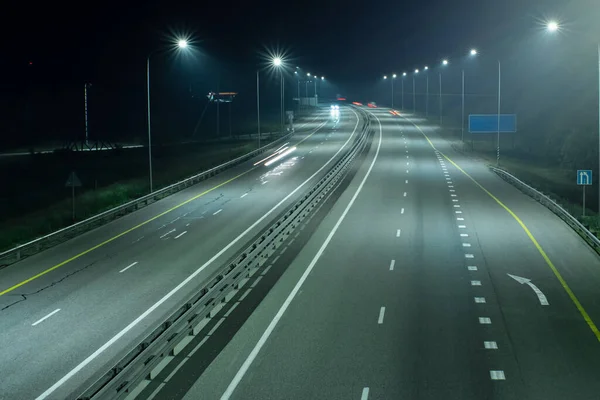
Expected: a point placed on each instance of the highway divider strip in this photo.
(170, 337)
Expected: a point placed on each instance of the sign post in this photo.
(584, 178)
(73, 181)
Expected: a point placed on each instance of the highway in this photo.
(402, 291)
(71, 311)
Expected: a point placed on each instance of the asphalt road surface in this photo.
(403, 292)
(100, 293)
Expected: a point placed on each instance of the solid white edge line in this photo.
(127, 267)
(136, 321)
(263, 339)
(46, 317)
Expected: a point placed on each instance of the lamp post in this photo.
(258, 105)
(444, 63)
(181, 44)
(426, 68)
(278, 63)
(553, 26)
(414, 94)
(473, 53)
(403, 75)
(316, 100)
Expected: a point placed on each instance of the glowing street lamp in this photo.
(552, 26)
(473, 52)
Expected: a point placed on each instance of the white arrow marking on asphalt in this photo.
(538, 292)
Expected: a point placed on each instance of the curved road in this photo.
(103, 291)
(403, 292)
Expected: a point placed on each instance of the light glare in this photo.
(473, 52)
(182, 44)
(552, 26)
(445, 62)
(277, 61)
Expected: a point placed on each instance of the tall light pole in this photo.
(181, 44)
(258, 105)
(444, 63)
(277, 63)
(414, 93)
(316, 99)
(426, 68)
(403, 75)
(472, 53)
(553, 26)
(499, 97)
(393, 79)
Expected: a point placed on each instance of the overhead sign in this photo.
(488, 123)
(73, 180)
(584, 177)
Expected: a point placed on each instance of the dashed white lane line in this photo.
(450, 186)
(402, 210)
(406, 181)
(180, 235)
(392, 264)
(398, 232)
(452, 190)
(171, 231)
(458, 212)
(46, 317)
(462, 227)
(490, 345)
(464, 235)
(472, 268)
(404, 194)
(485, 321)
(497, 375)
(469, 256)
(127, 267)
(264, 182)
(365, 394)
(460, 219)
(457, 205)
(244, 195)
(479, 300)
(452, 195)
(454, 200)
(381, 314)
(475, 283)
(218, 211)
(466, 244)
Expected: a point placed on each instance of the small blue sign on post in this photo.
(584, 177)
(488, 123)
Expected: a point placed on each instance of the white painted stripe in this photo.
(466, 244)
(450, 186)
(490, 345)
(452, 195)
(46, 317)
(365, 394)
(475, 283)
(218, 211)
(472, 268)
(460, 219)
(485, 320)
(265, 336)
(455, 200)
(458, 212)
(127, 267)
(452, 190)
(180, 235)
(264, 182)
(469, 256)
(171, 231)
(398, 232)
(402, 210)
(464, 235)
(407, 163)
(244, 195)
(479, 300)
(406, 181)
(457, 205)
(404, 194)
(381, 314)
(497, 375)
(392, 264)
(462, 226)
(407, 171)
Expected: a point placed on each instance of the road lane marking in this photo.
(457, 205)
(129, 266)
(490, 345)
(479, 300)
(392, 263)
(406, 181)
(497, 375)
(404, 194)
(171, 231)
(381, 315)
(460, 219)
(472, 268)
(469, 256)
(462, 226)
(46, 271)
(365, 394)
(402, 210)
(485, 320)
(450, 186)
(177, 288)
(46, 317)
(407, 171)
(541, 296)
(586, 317)
(464, 235)
(458, 212)
(466, 244)
(180, 235)
(475, 283)
(398, 232)
(218, 211)
(265, 336)
(244, 195)
(454, 200)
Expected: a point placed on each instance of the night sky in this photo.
(351, 43)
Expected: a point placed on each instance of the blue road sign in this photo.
(488, 123)
(584, 177)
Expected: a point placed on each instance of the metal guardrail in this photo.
(188, 321)
(588, 236)
(35, 246)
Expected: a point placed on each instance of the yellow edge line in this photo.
(26, 281)
(549, 262)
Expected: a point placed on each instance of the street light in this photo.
(278, 63)
(426, 68)
(473, 53)
(181, 44)
(414, 94)
(552, 26)
(403, 75)
(444, 63)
